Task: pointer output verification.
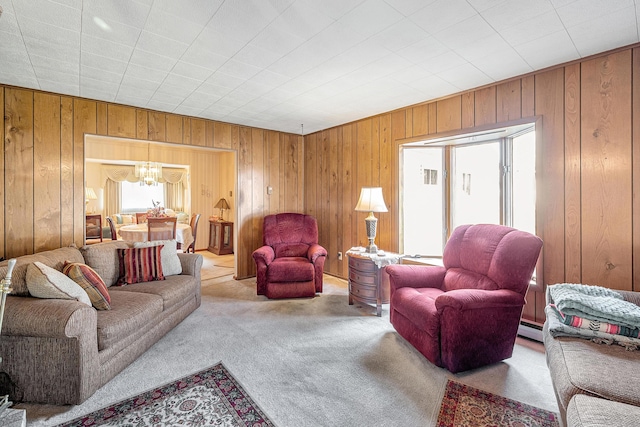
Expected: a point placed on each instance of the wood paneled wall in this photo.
(42, 183)
(589, 139)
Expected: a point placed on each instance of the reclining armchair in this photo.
(291, 262)
(466, 314)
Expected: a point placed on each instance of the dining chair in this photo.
(194, 230)
(141, 217)
(112, 228)
(161, 228)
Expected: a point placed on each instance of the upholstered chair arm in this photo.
(315, 251)
(191, 264)
(415, 276)
(478, 299)
(264, 254)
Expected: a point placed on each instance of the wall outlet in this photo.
(339, 256)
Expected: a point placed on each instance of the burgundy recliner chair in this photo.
(466, 314)
(291, 262)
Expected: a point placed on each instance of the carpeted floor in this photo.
(310, 362)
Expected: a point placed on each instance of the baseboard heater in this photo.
(530, 330)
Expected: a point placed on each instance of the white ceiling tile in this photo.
(187, 110)
(56, 76)
(192, 71)
(225, 80)
(152, 60)
(465, 76)
(277, 40)
(49, 12)
(160, 45)
(130, 98)
(442, 14)
(303, 19)
(481, 47)
(103, 63)
(269, 79)
(214, 91)
(171, 26)
(501, 17)
(130, 13)
(371, 17)
(503, 64)
(109, 49)
(99, 75)
(433, 87)
(531, 29)
(606, 32)
(233, 21)
(548, 50)
(9, 22)
(76, 4)
(410, 74)
(238, 69)
(400, 35)
(424, 50)
(465, 32)
(139, 91)
(482, 5)
(195, 11)
(408, 7)
(129, 82)
(199, 100)
(443, 62)
(256, 56)
(182, 83)
(141, 72)
(19, 79)
(156, 104)
(581, 11)
(99, 85)
(54, 64)
(59, 87)
(166, 98)
(114, 31)
(50, 49)
(100, 95)
(37, 30)
(332, 8)
(203, 58)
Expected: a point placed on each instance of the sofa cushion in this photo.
(140, 265)
(91, 282)
(169, 254)
(46, 282)
(130, 312)
(580, 366)
(54, 258)
(174, 290)
(103, 258)
(589, 411)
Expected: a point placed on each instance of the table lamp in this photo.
(222, 205)
(371, 201)
(89, 194)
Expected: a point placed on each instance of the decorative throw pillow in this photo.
(91, 282)
(46, 282)
(118, 218)
(140, 265)
(170, 262)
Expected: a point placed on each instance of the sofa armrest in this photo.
(415, 276)
(478, 299)
(49, 318)
(315, 251)
(49, 350)
(191, 264)
(264, 255)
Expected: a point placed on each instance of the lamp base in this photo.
(372, 223)
(372, 248)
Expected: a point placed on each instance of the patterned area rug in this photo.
(464, 406)
(207, 398)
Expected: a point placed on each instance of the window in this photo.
(137, 198)
(486, 177)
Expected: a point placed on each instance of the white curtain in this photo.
(176, 186)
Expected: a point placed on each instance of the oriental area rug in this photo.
(465, 406)
(207, 398)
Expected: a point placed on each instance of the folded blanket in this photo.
(596, 325)
(559, 329)
(595, 303)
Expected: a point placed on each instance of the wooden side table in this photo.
(220, 237)
(368, 282)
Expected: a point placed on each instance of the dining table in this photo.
(138, 233)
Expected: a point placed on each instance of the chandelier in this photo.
(148, 173)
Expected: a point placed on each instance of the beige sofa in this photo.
(61, 351)
(595, 384)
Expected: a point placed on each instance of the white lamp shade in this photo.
(90, 194)
(371, 200)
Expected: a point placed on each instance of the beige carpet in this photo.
(310, 362)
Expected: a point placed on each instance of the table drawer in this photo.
(364, 279)
(364, 291)
(364, 265)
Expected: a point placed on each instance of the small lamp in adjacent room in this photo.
(89, 194)
(371, 200)
(222, 205)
